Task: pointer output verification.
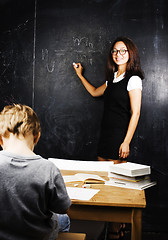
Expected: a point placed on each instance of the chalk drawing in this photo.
(50, 69)
(85, 49)
(78, 51)
(50, 65)
(82, 47)
(44, 54)
(83, 40)
(59, 52)
(90, 60)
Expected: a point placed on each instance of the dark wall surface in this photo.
(40, 40)
(16, 45)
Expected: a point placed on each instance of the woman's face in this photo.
(120, 54)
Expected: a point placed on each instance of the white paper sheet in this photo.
(81, 193)
(64, 164)
(70, 178)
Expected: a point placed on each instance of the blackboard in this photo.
(40, 40)
(16, 44)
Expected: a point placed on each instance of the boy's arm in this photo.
(59, 201)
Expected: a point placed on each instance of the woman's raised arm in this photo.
(95, 92)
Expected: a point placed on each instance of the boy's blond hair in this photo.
(20, 120)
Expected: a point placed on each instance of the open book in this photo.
(85, 178)
(89, 178)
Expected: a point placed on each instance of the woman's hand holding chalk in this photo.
(75, 65)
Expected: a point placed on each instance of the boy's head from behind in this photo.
(20, 120)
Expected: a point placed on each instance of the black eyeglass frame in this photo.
(115, 52)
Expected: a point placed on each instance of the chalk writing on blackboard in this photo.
(85, 49)
(50, 65)
(81, 49)
(82, 40)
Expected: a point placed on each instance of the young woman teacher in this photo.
(122, 103)
(122, 99)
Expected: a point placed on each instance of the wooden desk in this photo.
(111, 204)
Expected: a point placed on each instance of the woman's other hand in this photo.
(124, 150)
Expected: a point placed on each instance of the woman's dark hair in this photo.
(133, 64)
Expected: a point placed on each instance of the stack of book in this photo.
(130, 175)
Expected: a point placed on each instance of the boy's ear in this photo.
(1, 141)
(36, 138)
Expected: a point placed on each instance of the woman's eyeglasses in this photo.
(121, 51)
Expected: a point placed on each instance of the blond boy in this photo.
(32, 189)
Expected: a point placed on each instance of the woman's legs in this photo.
(116, 230)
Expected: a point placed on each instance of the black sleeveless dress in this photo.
(116, 117)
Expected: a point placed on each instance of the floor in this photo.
(150, 236)
(93, 231)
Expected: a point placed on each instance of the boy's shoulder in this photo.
(36, 161)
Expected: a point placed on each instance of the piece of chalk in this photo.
(75, 65)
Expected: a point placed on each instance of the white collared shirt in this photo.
(135, 82)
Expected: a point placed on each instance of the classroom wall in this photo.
(41, 39)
